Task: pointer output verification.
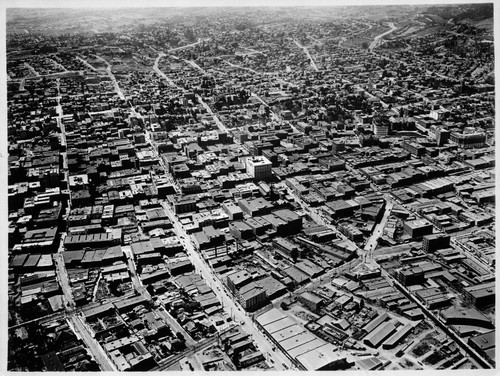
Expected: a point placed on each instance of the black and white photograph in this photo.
(248, 186)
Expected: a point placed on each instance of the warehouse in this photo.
(372, 325)
(375, 338)
(397, 337)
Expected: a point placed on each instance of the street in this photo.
(313, 64)
(228, 303)
(378, 39)
(112, 76)
(161, 74)
(95, 348)
(371, 243)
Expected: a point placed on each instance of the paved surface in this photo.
(378, 39)
(313, 63)
(228, 303)
(86, 63)
(113, 78)
(62, 275)
(371, 244)
(94, 347)
(160, 73)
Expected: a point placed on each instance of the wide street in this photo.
(95, 348)
(227, 301)
(378, 39)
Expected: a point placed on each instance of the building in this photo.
(432, 243)
(287, 249)
(259, 168)
(304, 349)
(183, 204)
(481, 295)
(484, 344)
(381, 125)
(237, 280)
(105, 239)
(418, 228)
(293, 221)
(232, 210)
(469, 140)
(240, 230)
(462, 317)
(410, 276)
(252, 296)
(380, 334)
(312, 301)
(433, 298)
(414, 148)
(442, 136)
(397, 337)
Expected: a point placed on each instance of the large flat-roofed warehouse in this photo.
(485, 344)
(307, 351)
(481, 295)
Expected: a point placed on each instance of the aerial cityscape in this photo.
(251, 188)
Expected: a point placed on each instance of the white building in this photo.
(259, 167)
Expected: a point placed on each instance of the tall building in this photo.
(469, 140)
(442, 136)
(432, 243)
(418, 228)
(259, 167)
(381, 125)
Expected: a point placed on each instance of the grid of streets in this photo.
(251, 188)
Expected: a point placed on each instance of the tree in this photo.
(294, 254)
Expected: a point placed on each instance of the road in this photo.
(275, 116)
(48, 75)
(371, 244)
(32, 70)
(62, 273)
(95, 349)
(378, 39)
(161, 74)
(228, 302)
(113, 78)
(60, 66)
(164, 365)
(188, 45)
(141, 289)
(86, 63)
(317, 217)
(313, 63)
(162, 54)
(240, 67)
(51, 317)
(174, 325)
(457, 339)
(138, 286)
(62, 276)
(196, 66)
(219, 123)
